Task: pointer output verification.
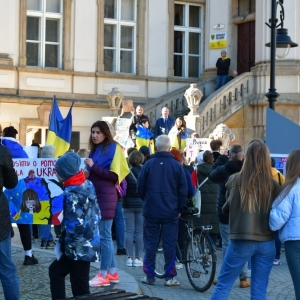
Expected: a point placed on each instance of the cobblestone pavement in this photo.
(34, 280)
(280, 284)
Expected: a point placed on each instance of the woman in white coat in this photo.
(285, 217)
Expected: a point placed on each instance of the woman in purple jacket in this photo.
(99, 172)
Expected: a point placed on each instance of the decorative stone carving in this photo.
(193, 96)
(114, 99)
(222, 132)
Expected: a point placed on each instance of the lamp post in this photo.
(280, 40)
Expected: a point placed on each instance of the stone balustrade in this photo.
(224, 102)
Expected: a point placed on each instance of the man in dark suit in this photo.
(164, 123)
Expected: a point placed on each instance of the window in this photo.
(120, 36)
(188, 40)
(246, 7)
(44, 33)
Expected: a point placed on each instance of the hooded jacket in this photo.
(285, 214)
(222, 169)
(81, 223)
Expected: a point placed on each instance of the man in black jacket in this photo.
(222, 169)
(8, 270)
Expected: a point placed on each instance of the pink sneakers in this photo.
(113, 278)
(98, 280)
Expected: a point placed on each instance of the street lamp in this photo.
(283, 43)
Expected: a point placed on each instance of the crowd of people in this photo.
(251, 206)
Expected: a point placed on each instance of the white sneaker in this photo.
(129, 262)
(137, 262)
(178, 265)
(172, 282)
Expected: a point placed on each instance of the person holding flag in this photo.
(144, 136)
(106, 167)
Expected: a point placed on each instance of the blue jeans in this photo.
(45, 233)
(292, 252)
(120, 226)
(237, 254)
(133, 228)
(8, 271)
(107, 246)
(224, 232)
(169, 232)
(221, 80)
(277, 245)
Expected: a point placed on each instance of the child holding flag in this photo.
(144, 135)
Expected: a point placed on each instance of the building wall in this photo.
(24, 90)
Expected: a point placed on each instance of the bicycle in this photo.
(198, 256)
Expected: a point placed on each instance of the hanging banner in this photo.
(193, 146)
(218, 40)
(37, 198)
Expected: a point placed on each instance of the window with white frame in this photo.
(120, 36)
(44, 33)
(188, 39)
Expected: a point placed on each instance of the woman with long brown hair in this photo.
(250, 194)
(285, 217)
(106, 167)
(178, 134)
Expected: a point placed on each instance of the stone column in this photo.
(193, 96)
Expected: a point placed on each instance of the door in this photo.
(246, 47)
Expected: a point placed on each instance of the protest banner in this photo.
(193, 146)
(123, 125)
(38, 196)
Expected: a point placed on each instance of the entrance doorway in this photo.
(246, 47)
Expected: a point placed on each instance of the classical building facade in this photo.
(149, 51)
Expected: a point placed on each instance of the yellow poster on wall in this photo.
(218, 40)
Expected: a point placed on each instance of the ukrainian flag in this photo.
(143, 136)
(178, 139)
(60, 130)
(112, 158)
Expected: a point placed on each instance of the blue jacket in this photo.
(14, 147)
(160, 127)
(163, 187)
(81, 241)
(285, 214)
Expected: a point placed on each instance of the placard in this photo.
(193, 146)
(38, 196)
(127, 105)
(123, 125)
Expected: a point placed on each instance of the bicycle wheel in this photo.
(200, 260)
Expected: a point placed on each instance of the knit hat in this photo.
(200, 157)
(223, 51)
(177, 154)
(48, 151)
(68, 165)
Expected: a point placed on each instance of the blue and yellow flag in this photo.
(178, 139)
(60, 130)
(112, 158)
(143, 136)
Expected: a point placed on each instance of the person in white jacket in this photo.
(285, 217)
